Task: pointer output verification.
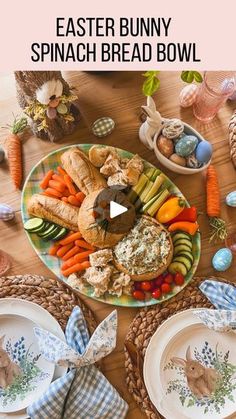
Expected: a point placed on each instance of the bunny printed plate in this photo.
(38, 315)
(190, 370)
(24, 373)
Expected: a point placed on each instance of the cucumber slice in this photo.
(183, 241)
(178, 236)
(52, 234)
(47, 231)
(33, 224)
(180, 248)
(177, 267)
(183, 260)
(62, 233)
(187, 255)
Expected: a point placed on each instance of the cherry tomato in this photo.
(146, 285)
(179, 278)
(159, 280)
(165, 288)
(169, 278)
(139, 295)
(156, 293)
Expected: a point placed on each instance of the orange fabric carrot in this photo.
(53, 192)
(80, 196)
(70, 238)
(84, 244)
(72, 252)
(69, 184)
(53, 249)
(76, 268)
(46, 179)
(213, 192)
(64, 249)
(56, 185)
(14, 150)
(73, 201)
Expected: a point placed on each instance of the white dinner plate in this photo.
(173, 395)
(43, 318)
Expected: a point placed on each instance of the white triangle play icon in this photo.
(116, 209)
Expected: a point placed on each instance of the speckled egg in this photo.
(178, 160)
(173, 128)
(231, 199)
(222, 259)
(2, 154)
(186, 145)
(6, 212)
(203, 151)
(188, 95)
(165, 146)
(192, 162)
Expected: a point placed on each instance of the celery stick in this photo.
(158, 203)
(156, 186)
(145, 191)
(149, 172)
(136, 190)
(149, 203)
(155, 174)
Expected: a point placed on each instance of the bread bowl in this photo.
(147, 245)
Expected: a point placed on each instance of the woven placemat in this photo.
(140, 332)
(53, 295)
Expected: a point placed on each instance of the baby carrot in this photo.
(84, 244)
(61, 171)
(69, 184)
(64, 198)
(80, 196)
(70, 238)
(76, 268)
(46, 179)
(53, 192)
(72, 252)
(64, 249)
(58, 178)
(56, 185)
(73, 201)
(53, 249)
(82, 255)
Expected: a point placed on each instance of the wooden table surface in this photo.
(117, 94)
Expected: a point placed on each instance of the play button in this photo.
(116, 209)
(113, 212)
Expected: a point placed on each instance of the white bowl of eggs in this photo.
(182, 149)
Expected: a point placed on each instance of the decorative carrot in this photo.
(218, 226)
(186, 226)
(14, 150)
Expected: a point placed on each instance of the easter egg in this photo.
(192, 162)
(222, 259)
(165, 146)
(2, 154)
(6, 212)
(103, 126)
(62, 109)
(186, 145)
(188, 95)
(173, 128)
(203, 151)
(231, 199)
(51, 113)
(178, 160)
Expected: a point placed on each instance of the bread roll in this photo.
(54, 210)
(81, 170)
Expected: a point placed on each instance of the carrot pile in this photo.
(218, 226)
(59, 185)
(74, 251)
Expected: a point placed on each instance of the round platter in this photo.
(178, 343)
(51, 161)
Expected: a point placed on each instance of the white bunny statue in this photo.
(201, 380)
(8, 369)
(153, 124)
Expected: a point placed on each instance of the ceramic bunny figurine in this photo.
(153, 124)
(8, 369)
(202, 381)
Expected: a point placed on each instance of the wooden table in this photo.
(117, 94)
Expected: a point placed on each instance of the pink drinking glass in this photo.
(216, 88)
